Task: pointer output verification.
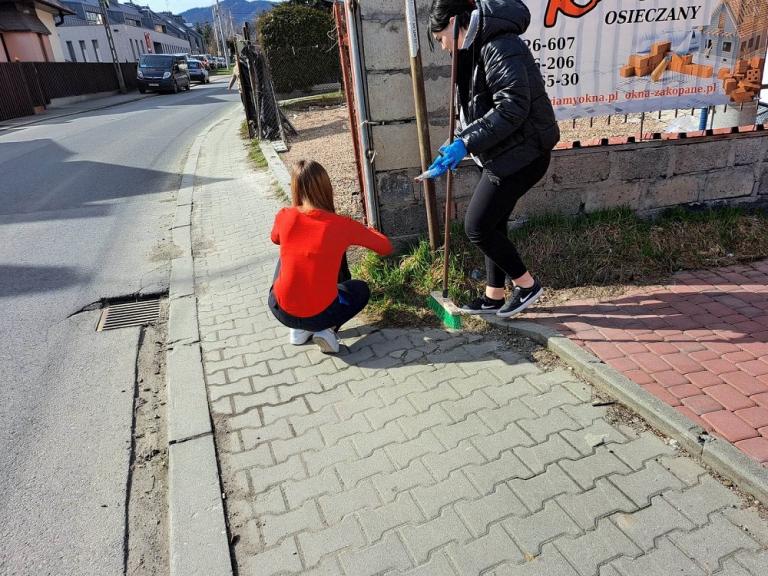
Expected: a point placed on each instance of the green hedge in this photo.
(300, 43)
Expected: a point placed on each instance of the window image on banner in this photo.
(601, 57)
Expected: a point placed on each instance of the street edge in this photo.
(198, 542)
(4, 127)
(720, 455)
(277, 166)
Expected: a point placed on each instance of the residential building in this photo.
(136, 30)
(196, 42)
(28, 30)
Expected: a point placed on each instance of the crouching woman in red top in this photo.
(308, 294)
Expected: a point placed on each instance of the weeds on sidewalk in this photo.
(244, 130)
(255, 155)
(400, 286)
(590, 255)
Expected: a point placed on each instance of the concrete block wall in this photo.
(390, 103)
(654, 175)
(647, 176)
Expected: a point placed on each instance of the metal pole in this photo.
(111, 41)
(223, 40)
(215, 30)
(349, 92)
(703, 116)
(422, 121)
(360, 100)
(449, 179)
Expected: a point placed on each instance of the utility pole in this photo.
(223, 40)
(104, 4)
(215, 30)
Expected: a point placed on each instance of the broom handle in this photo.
(449, 178)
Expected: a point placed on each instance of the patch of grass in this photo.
(400, 285)
(327, 99)
(278, 193)
(244, 134)
(255, 154)
(589, 255)
(221, 71)
(617, 247)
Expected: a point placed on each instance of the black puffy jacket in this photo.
(509, 117)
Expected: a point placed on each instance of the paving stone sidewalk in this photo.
(699, 344)
(423, 451)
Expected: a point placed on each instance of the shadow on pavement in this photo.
(39, 181)
(383, 348)
(19, 280)
(714, 316)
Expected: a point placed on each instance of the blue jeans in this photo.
(353, 297)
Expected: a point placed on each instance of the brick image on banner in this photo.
(628, 56)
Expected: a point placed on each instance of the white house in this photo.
(136, 30)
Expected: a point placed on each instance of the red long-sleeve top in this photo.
(311, 247)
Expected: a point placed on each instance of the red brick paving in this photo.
(755, 447)
(699, 344)
(730, 426)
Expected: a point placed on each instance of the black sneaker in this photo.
(520, 300)
(483, 305)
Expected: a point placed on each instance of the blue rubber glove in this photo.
(453, 154)
(449, 157)
(436, 169)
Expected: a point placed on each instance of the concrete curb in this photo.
(276, 165)
(198, 544)
(723, 457)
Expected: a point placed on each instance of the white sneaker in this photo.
(299, 337)
(326, 341)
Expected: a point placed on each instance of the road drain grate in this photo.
(129, 314)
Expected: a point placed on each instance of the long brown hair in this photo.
(310, 183)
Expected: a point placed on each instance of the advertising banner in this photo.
(602, 57)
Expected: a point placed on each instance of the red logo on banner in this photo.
(148, 42)
(569, 8)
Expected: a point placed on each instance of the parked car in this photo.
(208, 59)
(221, 61)
(202, 58)
(163, 73)
(197, 71)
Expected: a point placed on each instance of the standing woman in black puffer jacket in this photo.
(507, 125)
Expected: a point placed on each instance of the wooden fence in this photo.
(27, 85)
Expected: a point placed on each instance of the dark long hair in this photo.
(441, 12)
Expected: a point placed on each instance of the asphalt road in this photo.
(86, 202)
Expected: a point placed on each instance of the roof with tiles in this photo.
(750, 16)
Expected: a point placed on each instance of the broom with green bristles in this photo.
(439, 302)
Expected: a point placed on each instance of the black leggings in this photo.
(488, 213)
(353, 297)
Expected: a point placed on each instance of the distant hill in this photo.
(242, 11)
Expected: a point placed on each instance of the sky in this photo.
(176, 6)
